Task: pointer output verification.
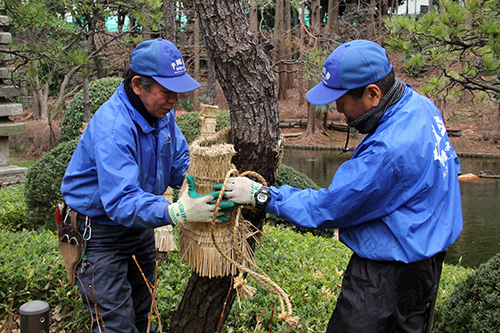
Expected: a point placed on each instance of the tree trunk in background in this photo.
(372, 29)
(467, 97)
(86, 100)
(86, 94)
(279, 36)
(245, 75)
(289, 45)
(315, 121)
(333, 16)
(254, 18)
(196, 50)
(211, 83)
(315, 18)
(168, 9)
(301, 50)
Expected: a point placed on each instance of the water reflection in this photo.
(480, 238)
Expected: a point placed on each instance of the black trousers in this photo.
(112, 283)
(387, 296)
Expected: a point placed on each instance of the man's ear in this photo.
(136, 85)
(374, 94)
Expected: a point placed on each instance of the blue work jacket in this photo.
(122, 166)
(398, 198)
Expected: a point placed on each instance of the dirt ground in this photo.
(478, 124)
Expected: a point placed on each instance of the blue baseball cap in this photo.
(352, 65)
(160, 59)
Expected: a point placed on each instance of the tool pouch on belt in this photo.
(71, 242)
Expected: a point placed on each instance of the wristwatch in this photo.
(262, 197)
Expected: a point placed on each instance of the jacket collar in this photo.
(136, 115)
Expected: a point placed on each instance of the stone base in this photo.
(12, 174)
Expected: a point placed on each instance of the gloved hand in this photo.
(197, 208)
(240, 190)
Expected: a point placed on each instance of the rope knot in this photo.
(291, 322)
(244, 290)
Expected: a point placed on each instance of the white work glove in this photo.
(192, 207)
(240, 190)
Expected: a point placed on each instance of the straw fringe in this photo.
(197, 247)
(164, 239)
(221, 248)
(210, 160)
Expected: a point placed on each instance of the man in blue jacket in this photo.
(128, 155)
(396, 202)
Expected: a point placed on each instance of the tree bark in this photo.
(86, 100)
(197, 50)
(168, 9)
(315, 17)
(245, 75)
(315, 123)
(279, 36)
(333, 16)
(211, 83)
(254, 18)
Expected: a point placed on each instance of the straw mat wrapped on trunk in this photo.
(220, 248)
(210, 162)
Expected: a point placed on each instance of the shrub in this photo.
(190, 123)
(43, 184)
(99, 92)
(13, 208)
(32, 269)
(289, 176)
(474, 305)
(223, 120)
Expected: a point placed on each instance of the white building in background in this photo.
(414, 7)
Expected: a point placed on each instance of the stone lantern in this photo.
(9, 174)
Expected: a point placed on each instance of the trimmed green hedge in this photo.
(474, 305)
(289, 176)
(43, 185)
(190, 123)
(13, 208)
(99, 92)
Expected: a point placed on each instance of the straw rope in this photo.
(210, 160)
(261, 277)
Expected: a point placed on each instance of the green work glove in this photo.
(192, 207)
(240, 190)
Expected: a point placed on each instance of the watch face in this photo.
(262, 197)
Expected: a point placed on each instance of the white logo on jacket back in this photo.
(442, 146)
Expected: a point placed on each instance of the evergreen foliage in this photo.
(13, 208)
(308, 268)
(474, 305)
(289, 176)
(43, 185)
(459, 39)
(99, 92)
(190, 123)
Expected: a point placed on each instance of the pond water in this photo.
(480, 238)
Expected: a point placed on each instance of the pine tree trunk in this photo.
(279, 36)
(245, 75)
(196, 73)
(211, 83)
(254, 18)
(315, 124)
(168, 9)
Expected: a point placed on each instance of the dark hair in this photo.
(146, 81)
(384, 84)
